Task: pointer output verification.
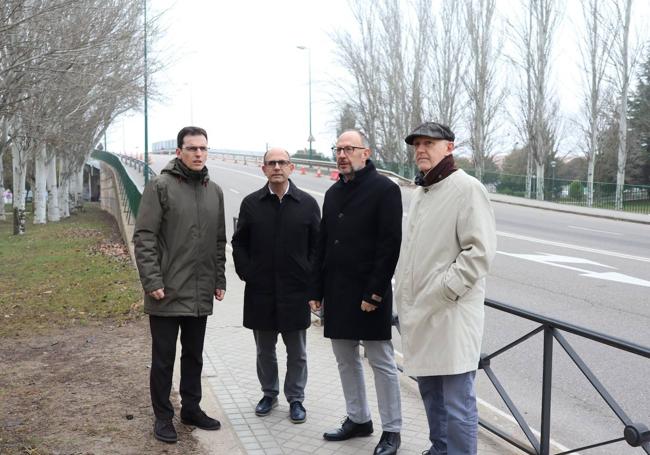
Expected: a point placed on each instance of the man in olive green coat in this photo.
(180, 240)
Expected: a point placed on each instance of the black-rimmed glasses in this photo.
(281, 163)
(348, 149)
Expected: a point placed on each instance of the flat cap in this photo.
(433, 130)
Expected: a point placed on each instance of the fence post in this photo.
(547, 382)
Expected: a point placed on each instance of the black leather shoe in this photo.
(163, 430)
(297, 412)
(388, 444)
(348, 430)
(265, 405)
(200, 420)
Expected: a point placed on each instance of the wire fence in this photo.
(636, 198)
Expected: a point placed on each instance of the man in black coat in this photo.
(274, 248)
(358, 248)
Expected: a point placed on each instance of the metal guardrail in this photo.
(257, 159)
(130, 192)
(634, 433)
(136, 163)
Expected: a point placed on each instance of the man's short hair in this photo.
(189, 131)
(364, 139)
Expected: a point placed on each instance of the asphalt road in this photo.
(587, 271)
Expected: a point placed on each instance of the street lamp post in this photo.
(311, 137)
(146, 114)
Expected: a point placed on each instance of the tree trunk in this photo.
(540, 181)
(19, 167)
(90, 183)
(3, 146)
(79, 189)
(52, 191)
(591, 165)
(64, 188)
(529, 174)
(3, 217)
(624, 78)
(40, 186)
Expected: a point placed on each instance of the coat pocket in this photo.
(446, 295)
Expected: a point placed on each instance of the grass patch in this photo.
(57, 275)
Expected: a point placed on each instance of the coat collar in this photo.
(293, 192)
(176, 168)
(360, 175)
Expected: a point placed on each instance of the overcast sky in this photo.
(233, 67)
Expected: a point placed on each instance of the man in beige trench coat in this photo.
(440, 288)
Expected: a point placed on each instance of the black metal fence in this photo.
(635, 434)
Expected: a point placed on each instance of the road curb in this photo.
(224, 440)
(572, 209)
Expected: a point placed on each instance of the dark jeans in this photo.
(450, 404)
(164, 333)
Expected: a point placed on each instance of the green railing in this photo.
(636, 198)
(130, 192)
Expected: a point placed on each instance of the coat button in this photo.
(340, 215)
(336, 242)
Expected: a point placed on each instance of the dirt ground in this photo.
(82, 390)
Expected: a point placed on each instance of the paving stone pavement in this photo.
(229, 367)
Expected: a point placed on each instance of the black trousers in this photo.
(164, 333)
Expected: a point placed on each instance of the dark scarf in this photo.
(443, 169)
(189, 173)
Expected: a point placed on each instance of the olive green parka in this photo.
(180, 241)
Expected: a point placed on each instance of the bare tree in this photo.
(4, 145)
(361, 58)
(385, 62)
(596, 53)
(484, 96)
(537, 124)
(80, 65)
(448, 64)
(624, 60)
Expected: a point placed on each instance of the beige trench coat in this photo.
(440, 279)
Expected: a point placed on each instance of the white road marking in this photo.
(594, 230)
(509, 417)
(315, 193)
(559, 261)
(234, 190)
(573, 247)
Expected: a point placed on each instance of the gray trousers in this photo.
(267, 363)
(382, 360)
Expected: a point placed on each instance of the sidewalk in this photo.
(230, 374)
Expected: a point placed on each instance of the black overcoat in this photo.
(358, 248)
(274, 248)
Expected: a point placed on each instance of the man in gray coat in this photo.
(180, 240)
